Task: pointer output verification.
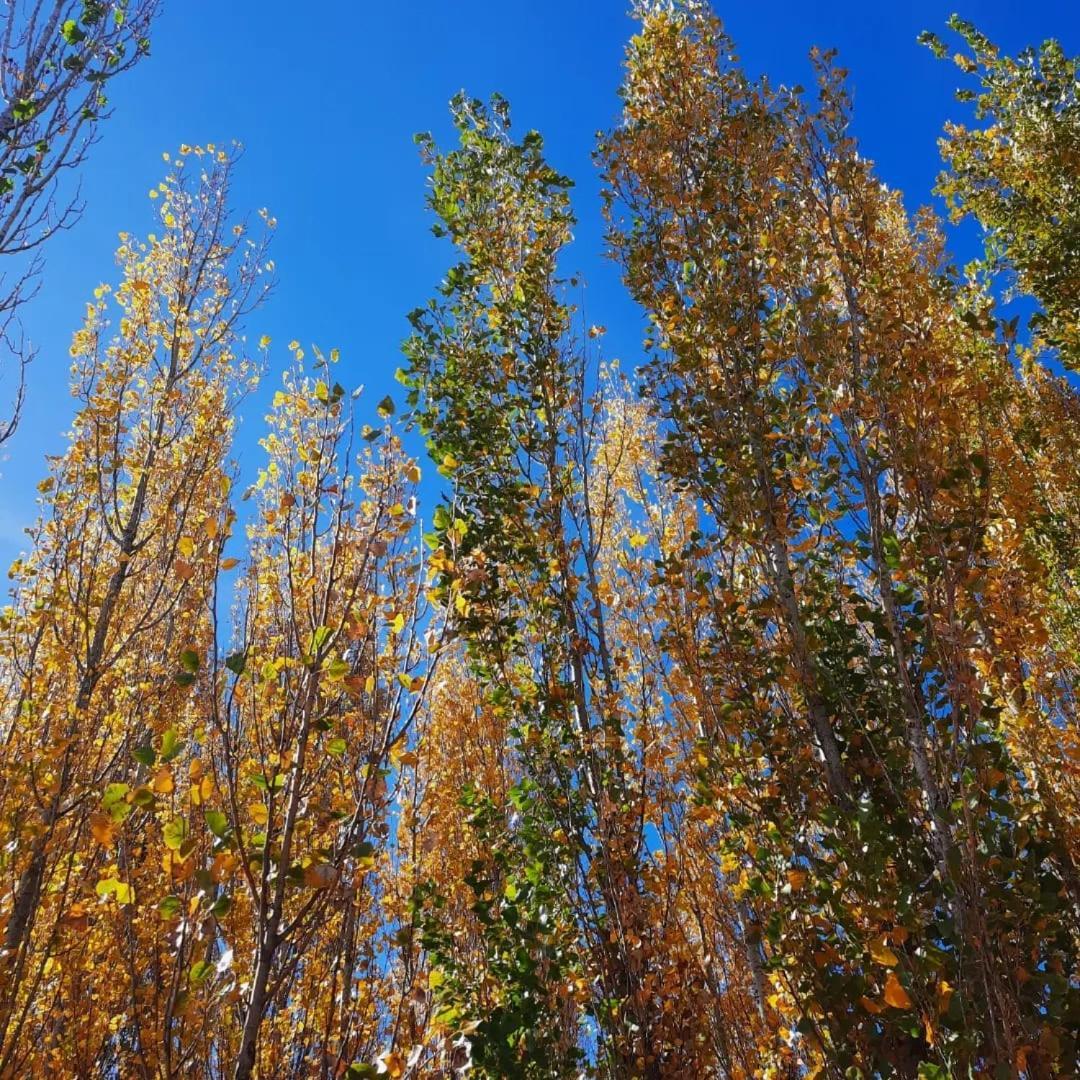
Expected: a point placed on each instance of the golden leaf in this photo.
(163, 781)
(881, 952)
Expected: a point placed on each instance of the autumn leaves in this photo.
(724, 728)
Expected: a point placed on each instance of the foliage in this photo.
(722, 722)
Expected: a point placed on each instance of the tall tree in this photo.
(837, 400)
(1015, 172)
(530, 550)
(112, 597)
(56, 60)
(328, 682)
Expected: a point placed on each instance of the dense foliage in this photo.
(723, 723)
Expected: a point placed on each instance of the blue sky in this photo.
(326, 96)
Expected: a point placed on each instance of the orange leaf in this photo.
(796, 879)
(895, 994)
(318, 876)
(103, 829)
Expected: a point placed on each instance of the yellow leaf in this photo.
(186, 546)
(895, 995)
(393, 1064)
(881, 952)
(398, 625)
(638, 540)
(450, 462)
(944, 996)
(163, 781)
(258, 813)
(412, 474)
(202, 791)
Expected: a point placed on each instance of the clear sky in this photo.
(326, 96)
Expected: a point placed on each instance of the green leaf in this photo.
(385, 407)
(336, 747)
(169, 907)
(114, 801)
(144, 754)
(171, 745)
(221, 907)
(189, 660)
(337, 669)
(120, 891)
(201, 971)
(71, 33)
(218, 823)
(236, 663)
(891, 550)
(175, 833)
